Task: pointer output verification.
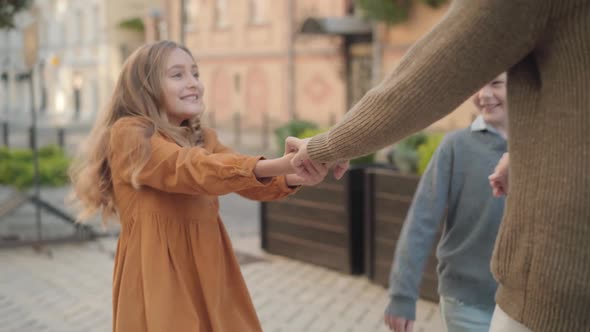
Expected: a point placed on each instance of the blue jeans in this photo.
(459, 317)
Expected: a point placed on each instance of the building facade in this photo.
(81, 47)
(256, 60)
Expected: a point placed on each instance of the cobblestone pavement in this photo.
(65, 288)
(68, 288)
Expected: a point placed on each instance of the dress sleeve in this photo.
(175, 169)
(276, 189)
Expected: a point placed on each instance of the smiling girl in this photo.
(149, 162)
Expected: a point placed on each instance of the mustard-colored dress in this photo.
(175, 269)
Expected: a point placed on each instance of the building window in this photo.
(80, 25)
(75, 25)
(258, 11)
(61, 33)
(163, 29)
(221, 13)
(94, 23)
(4, 41)
(43, 32)
(191, 13)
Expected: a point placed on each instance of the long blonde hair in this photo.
(138, 94)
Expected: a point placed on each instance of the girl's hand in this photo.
(274, 167)
(301, 159)
(315, 174)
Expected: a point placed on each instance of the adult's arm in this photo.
(473, 43)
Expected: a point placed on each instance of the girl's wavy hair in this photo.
(138, 94)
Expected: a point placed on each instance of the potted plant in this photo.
(16, 167)
(350, 225)
(322, 225)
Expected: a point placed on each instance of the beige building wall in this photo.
(245, 59)
(251, 59)
(399, 39)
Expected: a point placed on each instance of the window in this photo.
(94, 26)
(191, 13)
(221, 13)
(80, 25)
(163, 29)
(4, 42)
(258, 11)
(75, 27)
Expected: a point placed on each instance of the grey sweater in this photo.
(455, 182)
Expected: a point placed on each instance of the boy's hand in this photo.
(399, 324)
(499, 179)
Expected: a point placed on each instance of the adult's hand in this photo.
(317, 175)
(303, 165)
(299, 147)
(399, 324)
(340, 168)
(499, 179)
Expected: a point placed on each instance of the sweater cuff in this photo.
(401, 306)
(318, 149)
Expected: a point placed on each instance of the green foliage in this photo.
(364, 160)
(412, 154)
(426, 150)
(391, 11)
(9, 8)
(17, 169)
(310, 133)
(434, 3)
(134, 24)
(293, 128)
(405, 154)
(52, 151)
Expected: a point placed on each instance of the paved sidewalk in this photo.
(67, 288)
(294, 296)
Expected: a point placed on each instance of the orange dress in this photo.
(175, 269)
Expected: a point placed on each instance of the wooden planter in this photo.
(321, 225)
(351, 225)
(388, 202)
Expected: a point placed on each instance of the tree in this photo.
(391, 11)
(9, 8)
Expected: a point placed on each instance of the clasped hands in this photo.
(311, 172)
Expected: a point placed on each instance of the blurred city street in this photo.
(270, 69)
(67, 287)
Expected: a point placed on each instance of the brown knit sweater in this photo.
(542, 254)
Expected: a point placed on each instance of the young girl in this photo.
(149, 162)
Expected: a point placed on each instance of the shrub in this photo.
(293, 128)
(412, 154)
(17, 169)
(426, 150)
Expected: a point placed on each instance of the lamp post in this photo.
(77, 82)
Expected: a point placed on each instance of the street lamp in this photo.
(77, 82)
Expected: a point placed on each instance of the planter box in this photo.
(388, 202)
(321, 225)
(351, 225)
